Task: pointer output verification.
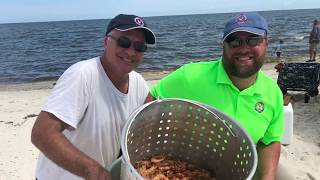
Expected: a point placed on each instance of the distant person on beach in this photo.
(278, 52)
(314, 40)
(235, 85)
(278, 49)
(79, 128)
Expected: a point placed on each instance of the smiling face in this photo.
(122, 60)
(245, 60)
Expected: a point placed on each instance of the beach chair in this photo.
(300, 77)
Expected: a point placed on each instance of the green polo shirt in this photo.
(258, 109)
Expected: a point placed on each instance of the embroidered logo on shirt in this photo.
(259, 107)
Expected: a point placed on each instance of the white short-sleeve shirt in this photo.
(85, 98)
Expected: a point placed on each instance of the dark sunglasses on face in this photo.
(125, 42)
(235, 42)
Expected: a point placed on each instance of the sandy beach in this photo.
(20, 104)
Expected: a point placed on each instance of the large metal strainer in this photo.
(188, 131)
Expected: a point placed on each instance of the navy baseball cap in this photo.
(248, 22)
(124, 22)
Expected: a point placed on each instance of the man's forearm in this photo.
(55, 146)
(268, 159)
(64, 154)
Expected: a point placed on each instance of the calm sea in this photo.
(41, 51)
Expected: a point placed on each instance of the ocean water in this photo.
(41, 51)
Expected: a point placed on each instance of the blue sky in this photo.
(56, 10)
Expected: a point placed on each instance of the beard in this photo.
(234, 69)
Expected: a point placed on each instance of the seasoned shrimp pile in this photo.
(164, 168)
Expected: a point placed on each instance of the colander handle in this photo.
(230, 130)
(223, 121)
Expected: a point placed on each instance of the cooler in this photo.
(288, 127)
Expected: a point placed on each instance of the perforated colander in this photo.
(188, 131)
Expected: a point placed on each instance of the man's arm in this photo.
(48, 138)
(318, 33)
(311, 35)
(268, 159)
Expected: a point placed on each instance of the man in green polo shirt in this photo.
(234, 84)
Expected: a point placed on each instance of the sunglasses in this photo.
(235, 42)
(125, 42)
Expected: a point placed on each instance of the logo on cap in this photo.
(241, 19)
(138, 21)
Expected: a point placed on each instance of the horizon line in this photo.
(182, 14)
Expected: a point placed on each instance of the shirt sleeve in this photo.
(276, 127)
(170, 86)
(69, 98)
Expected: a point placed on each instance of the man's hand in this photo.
(149, 98)
(97, 173)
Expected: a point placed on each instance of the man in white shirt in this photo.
(79, 128)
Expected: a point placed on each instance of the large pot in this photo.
(188, 131)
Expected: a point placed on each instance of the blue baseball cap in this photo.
(248, 22)
(126, 22)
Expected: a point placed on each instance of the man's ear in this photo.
(105, 41)
(267, 42)
(223, 46)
